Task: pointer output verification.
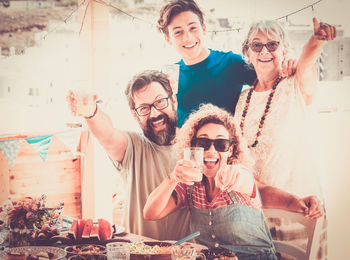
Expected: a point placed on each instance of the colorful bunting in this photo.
(70, 139)
(10, 150)
(40, 144)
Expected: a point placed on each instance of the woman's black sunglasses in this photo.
(221, 145)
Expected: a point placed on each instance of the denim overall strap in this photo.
(238, 227)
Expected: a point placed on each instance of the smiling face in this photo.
(186, 33)
(159, 125)
(266, 61)
(214, 160)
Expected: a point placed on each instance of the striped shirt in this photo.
(200, 200)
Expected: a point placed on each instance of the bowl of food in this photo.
(219, 253)
(88, 257)
(150, 250)
(33, 253)
(86, 250)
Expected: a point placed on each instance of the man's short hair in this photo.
(143, 79)
(172, 9)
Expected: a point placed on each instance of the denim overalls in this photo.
(238, 227)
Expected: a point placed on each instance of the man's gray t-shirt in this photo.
(145, 165)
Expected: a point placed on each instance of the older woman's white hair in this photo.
(269, 28)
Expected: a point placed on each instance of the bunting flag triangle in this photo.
(40, 144)
(10, 150)
(71, 139)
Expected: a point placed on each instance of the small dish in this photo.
(58, 253)
(85, 249)
(88, 257)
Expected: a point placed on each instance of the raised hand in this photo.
(324, 31)
(235, 178)
(81, 104)
(184, 172)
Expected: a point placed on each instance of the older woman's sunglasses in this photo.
(270, 46)
(221, 145)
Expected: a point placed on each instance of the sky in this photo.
(330, 11)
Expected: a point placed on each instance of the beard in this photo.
(162, 137)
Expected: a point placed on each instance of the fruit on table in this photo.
(85, 229)
(73, 231)
(81, 227)
(94, 232)
(46, 232)
(104, 229)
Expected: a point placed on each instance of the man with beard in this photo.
(144, 159)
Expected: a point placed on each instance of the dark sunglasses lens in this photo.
(202, 142)
(256, 46)
(272, 46)
(222, 145)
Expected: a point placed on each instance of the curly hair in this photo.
(208, 113)
(173, 8)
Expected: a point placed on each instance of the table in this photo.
(126, 236)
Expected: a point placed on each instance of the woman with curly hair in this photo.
(225, 206)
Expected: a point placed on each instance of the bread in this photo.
(15, 256)
(43, 255)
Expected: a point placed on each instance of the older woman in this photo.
(272, 115)
(225, 206)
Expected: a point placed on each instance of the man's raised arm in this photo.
(112, 140)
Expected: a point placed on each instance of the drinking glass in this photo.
(196, 155)
(85, 102)
(118, 251)
(185, 252)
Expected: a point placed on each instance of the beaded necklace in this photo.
(267, 109)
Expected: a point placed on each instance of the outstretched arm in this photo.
(160, 202)
(112, 140)
(306, 73)
(272, 197)
(235, 178)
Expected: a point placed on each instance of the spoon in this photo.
(189, 237)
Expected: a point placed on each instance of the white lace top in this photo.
(281, 157)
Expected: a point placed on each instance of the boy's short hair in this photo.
(172, 9)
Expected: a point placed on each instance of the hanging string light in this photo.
(302, 9)
(84, 16)
(64, 21)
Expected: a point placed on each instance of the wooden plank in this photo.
(88, 177)
(58, 177)
(4, 179)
